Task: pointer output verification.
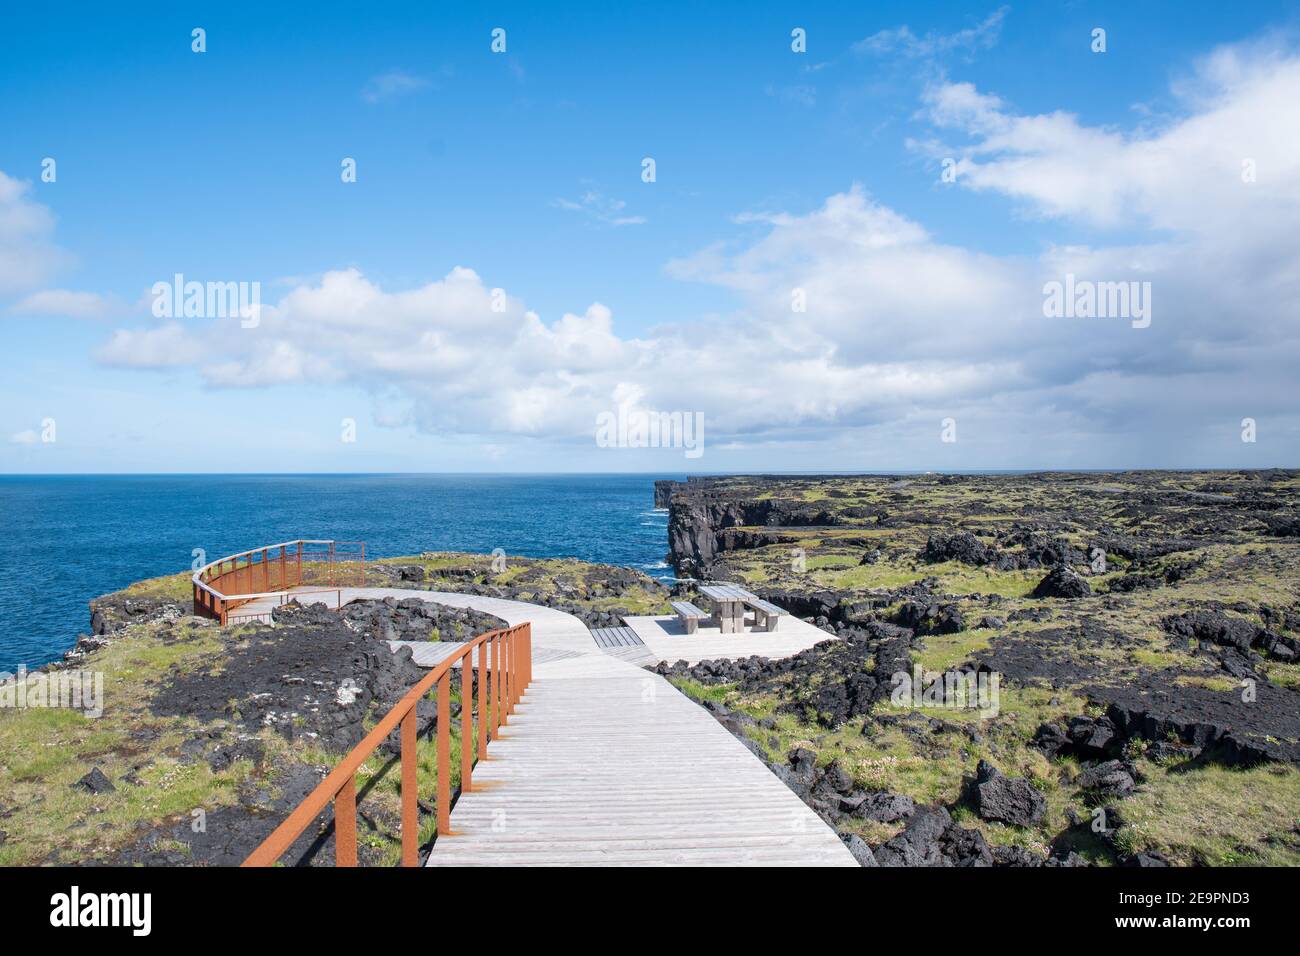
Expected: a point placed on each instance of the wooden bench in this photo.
(689, 614)
(766, 614)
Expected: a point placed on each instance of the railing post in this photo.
(514, 668)
(528, 655)
(345, 824)
(498, 707)
(410, 793)
(483, 694)
(466, 723)
(444, 754)
(508, 674)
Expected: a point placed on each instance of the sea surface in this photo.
(67, 539)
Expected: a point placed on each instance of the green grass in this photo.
(1216, 816)
(43, 752)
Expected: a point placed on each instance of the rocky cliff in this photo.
(703, 515)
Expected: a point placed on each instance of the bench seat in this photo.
(689, 614)
(766, 614)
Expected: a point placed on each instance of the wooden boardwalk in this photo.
(604, 763)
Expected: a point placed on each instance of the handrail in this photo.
(278, 574)
(503, 678)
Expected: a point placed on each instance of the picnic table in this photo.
(727, 602)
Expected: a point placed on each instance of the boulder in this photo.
(95, 782)
(1006, 799)
(1114, 778)
(1091, 738)
(1012, 855)
(1051, 739)
(919, 844)
(958, 546)
(858, 847)
(1062, 582)
(886, 807)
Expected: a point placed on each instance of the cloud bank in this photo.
(855, 326)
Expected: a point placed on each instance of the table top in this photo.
(726, 592)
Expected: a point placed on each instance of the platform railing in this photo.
(222, 585)
(503, 672)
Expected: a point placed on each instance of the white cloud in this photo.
(26, 437)
(392, 84)
(901, 329)
(28, 256)
(600, 208)
(902, 40)
(1187, 176)
(65, 303)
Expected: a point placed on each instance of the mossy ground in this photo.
(44, 752)
(1204, 813)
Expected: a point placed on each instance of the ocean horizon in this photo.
(72, 538)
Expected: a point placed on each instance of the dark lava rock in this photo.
(1213, 626)
(1035, 548)
(1006, 799)
(801, 773)
(992, 623)
(1218, 628)
(95, 782)
(958, 546)
(967, 848)
(1282, 527)
(834, 779)
(1222, 725)
(1091, 738)
(251, 749)
(1012, 855)
(1062, 582)
(1051, 739)
(1164, 751)
(311, 676)
(858, 847)
(932, 839)
(919, 843)
(113, 612)
(930, 617)
(1051, 655)
(1112, 779)
(414, 619)
(884, 807)
(871, 557)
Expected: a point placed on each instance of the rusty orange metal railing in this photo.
(269, 571)
(504, 671)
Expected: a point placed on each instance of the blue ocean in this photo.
(68, 539)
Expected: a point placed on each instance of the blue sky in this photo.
(774, 170)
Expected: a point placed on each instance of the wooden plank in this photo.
(606, 764)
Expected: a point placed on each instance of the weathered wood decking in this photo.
(604, 763)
